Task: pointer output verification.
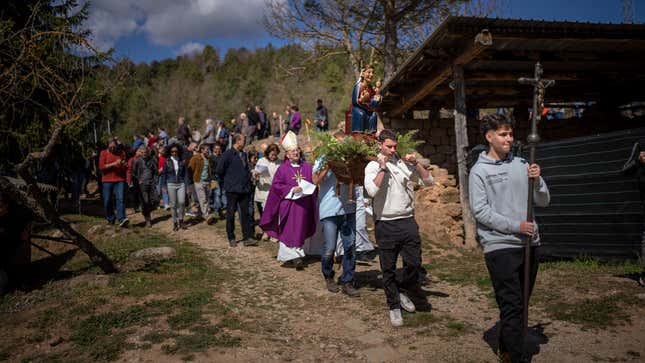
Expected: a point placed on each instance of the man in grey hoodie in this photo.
(498, 189)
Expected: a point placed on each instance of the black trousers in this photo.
(233, 200)
(394, 238)
(506, 269)
(149, 199)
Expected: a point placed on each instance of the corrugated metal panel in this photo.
(595, 210)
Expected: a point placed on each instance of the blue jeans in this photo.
(118, 189)
(331, 227)
(164, 195)
(217, 199)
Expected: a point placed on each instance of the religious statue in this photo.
(365, 99)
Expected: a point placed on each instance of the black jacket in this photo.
(233, 171)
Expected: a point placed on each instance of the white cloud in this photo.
(171, 22)
(190, 48)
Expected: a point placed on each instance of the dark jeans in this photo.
(345, 225)
(251, 218)
(134, 195)
(235, 201)
(149, 199)
(506, 269)
(400, 236)
(117, 189)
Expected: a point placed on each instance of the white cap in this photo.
(290, 141)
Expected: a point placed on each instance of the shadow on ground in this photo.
(535, 338)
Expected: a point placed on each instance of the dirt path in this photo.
(288, 315)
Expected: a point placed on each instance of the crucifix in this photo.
(539, 87)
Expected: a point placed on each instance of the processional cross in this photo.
(539, 87)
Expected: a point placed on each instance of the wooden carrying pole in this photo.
(539, 85)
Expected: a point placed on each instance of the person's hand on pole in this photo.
(534, 171)
(527, 228)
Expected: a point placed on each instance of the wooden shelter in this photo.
(473, 63)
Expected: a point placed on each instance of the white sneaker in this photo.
(406, 303)
(395, 317)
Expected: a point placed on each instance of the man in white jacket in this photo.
(389, 182)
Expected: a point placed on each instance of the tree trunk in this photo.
(40, 206)
(390, 39)
(461, 143)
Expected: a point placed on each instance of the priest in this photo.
(291, 209)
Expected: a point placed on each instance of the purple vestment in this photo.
(297, 217)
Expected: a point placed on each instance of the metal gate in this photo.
(595, 210)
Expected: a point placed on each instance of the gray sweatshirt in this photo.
(498, 192)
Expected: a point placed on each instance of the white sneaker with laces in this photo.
(395, 317)
(407, 304)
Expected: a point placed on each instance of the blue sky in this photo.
(147, 30)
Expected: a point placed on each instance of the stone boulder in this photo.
(154, 254)
(141, 259)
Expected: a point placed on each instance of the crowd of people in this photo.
(306, 210)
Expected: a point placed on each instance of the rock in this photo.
(154, 253)
(98, 229)
(450, 195)
(452, 209)
(56, 341)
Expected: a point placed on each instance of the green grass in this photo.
(100, 319)
(596, 312)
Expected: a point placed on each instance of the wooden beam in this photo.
(461, 143)
(438, 77)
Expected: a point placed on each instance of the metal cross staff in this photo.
(539, 86)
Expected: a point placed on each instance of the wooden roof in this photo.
(589, 61)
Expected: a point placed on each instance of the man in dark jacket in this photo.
(233, 171)
(183, 132)
(144, 172)
(322, 124)
(636, 166)
(254, 124)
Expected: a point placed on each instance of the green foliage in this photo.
(201, 86)
(345, 150)
(46, 75)
(407, 144)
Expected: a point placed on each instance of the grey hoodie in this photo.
(498, 192)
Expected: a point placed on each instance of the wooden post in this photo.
(461, 143)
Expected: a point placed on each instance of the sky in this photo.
(147, 30)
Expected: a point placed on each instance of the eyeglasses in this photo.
(174, 152)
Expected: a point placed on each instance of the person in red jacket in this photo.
(113, 167)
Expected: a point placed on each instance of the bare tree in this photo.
(331, 27)
(356, 27)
